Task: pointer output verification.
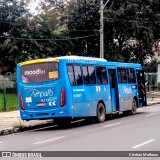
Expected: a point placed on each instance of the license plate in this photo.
(41, 104)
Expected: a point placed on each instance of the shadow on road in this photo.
(77, 124)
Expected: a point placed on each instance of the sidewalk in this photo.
(153, 97)
(10, 122)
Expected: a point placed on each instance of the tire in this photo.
(101, 113)
(134, 107)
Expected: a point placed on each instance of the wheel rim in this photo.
(101, 113)
(134, 107)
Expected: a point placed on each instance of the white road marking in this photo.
(112, 124)
(48, 140)
(150, 114)
(143, 143)
(78, 121)
(37, 129)
(1, 142)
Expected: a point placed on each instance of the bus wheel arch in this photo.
(134, 106)
(101, 112)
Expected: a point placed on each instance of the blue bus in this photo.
(70, 87)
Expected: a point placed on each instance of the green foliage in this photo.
(10, 12)
(151, 67)
(84, 21)
(131, 29)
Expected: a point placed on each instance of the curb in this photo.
(154, 103)
(24, 128)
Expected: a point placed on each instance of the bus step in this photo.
(115, 112)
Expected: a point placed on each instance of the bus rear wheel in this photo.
(134, 107)
(101, 113)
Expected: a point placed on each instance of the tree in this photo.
(10, 11)
(151, 67)
(127, 27)
(83, 25)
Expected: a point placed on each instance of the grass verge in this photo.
(11, 102)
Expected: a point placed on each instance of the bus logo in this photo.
(98, 88)
(40, 94)
(127, 90)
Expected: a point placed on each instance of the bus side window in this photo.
(78, 75)
(98, 75)
(104, 76)
(92, 78)
(101, 75)
(122, 77)
(71, 74)
(131, 75)
(85, 74)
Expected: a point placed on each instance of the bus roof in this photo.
(118, 64)
(79, 59)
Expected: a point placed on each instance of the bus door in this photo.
(141, 88)
(114, 89)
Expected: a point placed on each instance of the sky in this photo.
(33, 5)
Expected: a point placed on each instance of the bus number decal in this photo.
(77, 95)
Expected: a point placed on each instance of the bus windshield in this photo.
(39, 72)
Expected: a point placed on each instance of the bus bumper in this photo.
(45, 114)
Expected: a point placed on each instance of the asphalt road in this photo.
(140, 132)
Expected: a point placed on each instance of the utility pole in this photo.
(102, 6)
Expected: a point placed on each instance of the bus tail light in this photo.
(21, 102)
(63, 97)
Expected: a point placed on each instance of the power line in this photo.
(133, 21)
(13, 23)
(96, 30)
(113, 19)
(50, 39)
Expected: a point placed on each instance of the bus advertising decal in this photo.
(24, 79)
(45, 97)
(127, 90)
(31, 72)
(53, 75)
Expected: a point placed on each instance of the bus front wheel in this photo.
(134, 107)
(101, 113)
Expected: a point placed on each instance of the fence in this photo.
(8, 93)
(9, 98)
(152, 84)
